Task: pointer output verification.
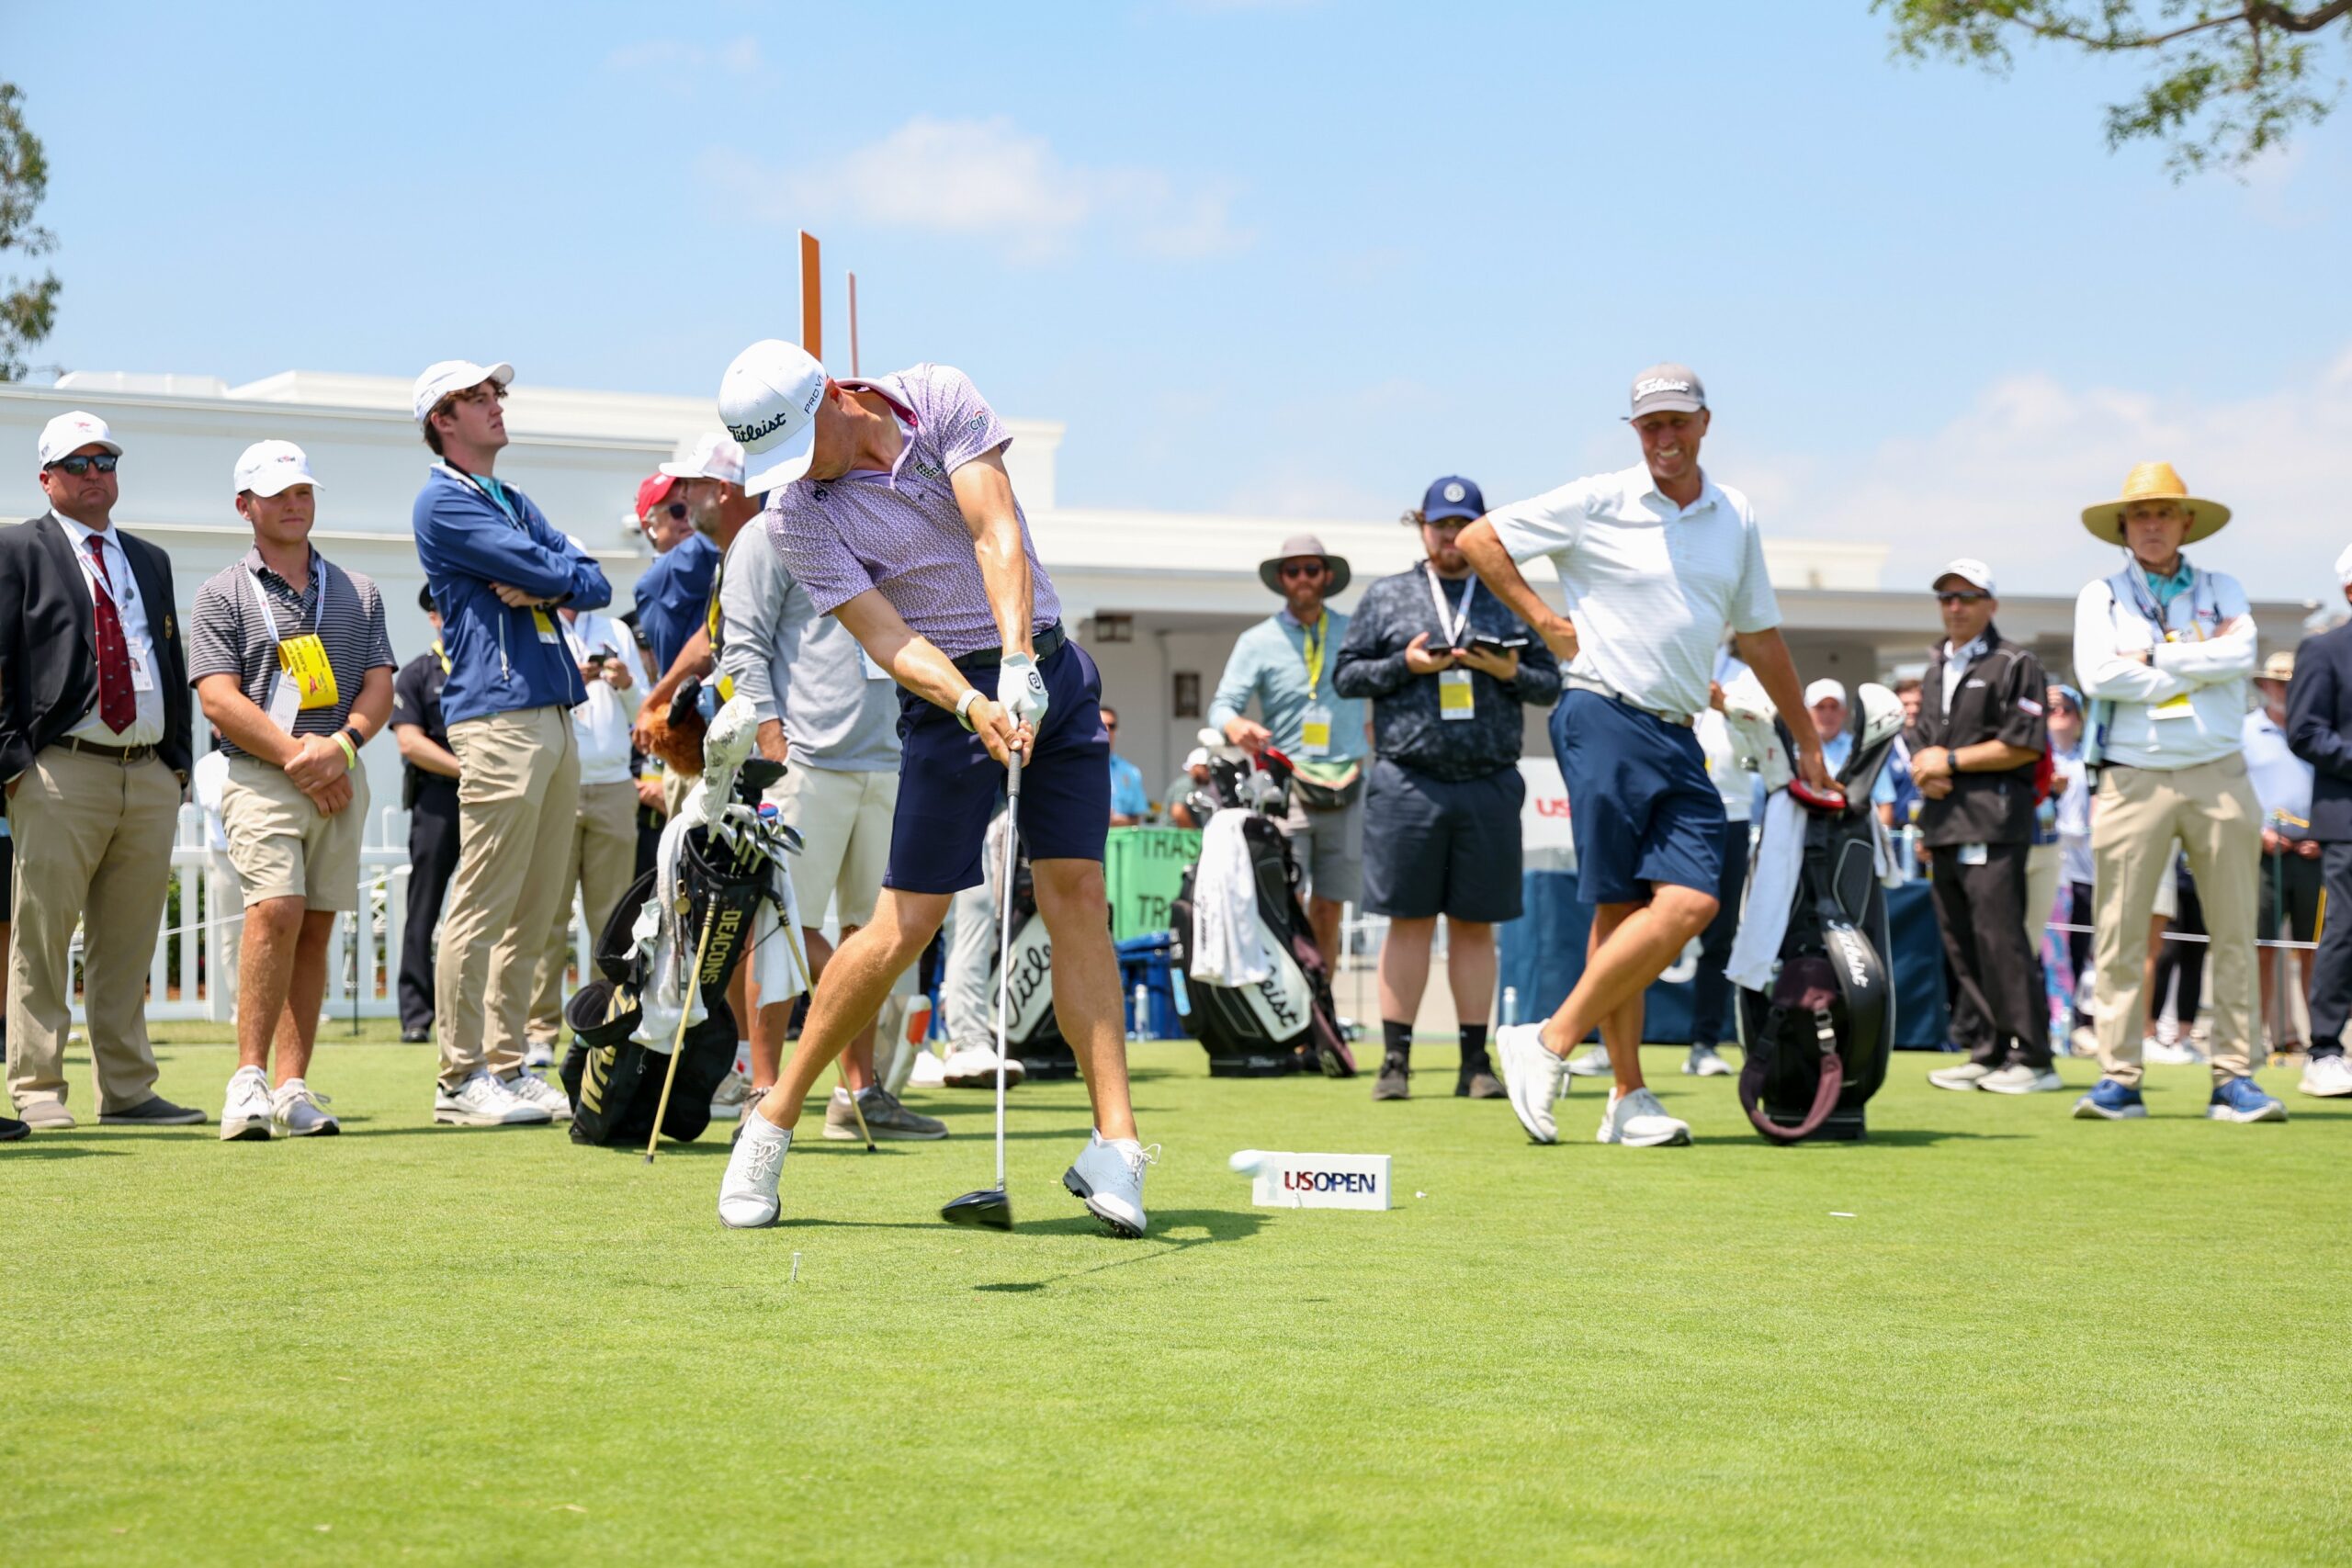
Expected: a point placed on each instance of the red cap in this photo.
(649, 494)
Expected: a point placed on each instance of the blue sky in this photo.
(1293, 258)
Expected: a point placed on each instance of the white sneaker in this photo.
(1593, 1064)
(297, 1112)
(1108, 1176)
(2018, 1078)
(533, 1089)
(2324, 1077)
(2085, 1041)
(1965, 1078)
(537, 1053)
(974, 1066)
(747, 1200)
(728, 1098)
(1702, 1062)
(2157, 1053)
(244, 1115)
(929, 1072)
(483, 1101)
(1534, 1077)
(1639, 1121)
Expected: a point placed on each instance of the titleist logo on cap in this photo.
(1651, 387)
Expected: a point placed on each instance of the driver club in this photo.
(990, 1206)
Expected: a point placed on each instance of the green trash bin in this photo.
(1142, 869)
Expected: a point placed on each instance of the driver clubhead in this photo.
(989, 1207)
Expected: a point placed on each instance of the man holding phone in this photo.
(1447, 669)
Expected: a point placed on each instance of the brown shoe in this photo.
(1395, 1080)
(1477, 1082)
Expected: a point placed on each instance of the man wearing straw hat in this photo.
(2164, 649)
(1285, 662)
(2319, 728)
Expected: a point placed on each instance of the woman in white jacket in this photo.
(2165, 651)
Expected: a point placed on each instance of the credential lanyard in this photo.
(1452, 625)
(318, 611)
(1317, 635)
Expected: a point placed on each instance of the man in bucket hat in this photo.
(2164, 649)
(1285, 662)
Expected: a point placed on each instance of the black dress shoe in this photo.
(152, 1112)
(11, 1129)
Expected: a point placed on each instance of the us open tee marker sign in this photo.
(1321, 1181)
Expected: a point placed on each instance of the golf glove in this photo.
(1020, 689)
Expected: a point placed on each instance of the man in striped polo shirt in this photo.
(1656, 560)
(891, 505)
(288, 656)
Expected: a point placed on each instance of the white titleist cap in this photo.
(1968, 570)
(768, 400)
(448, 376)
(268, 468)
(1825, 691)
(715, 456)
(68, 433)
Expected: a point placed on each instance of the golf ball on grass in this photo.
(1247, 1161)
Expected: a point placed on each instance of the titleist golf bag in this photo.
(1032, 1035)
(1286, 1022)
(1817, 1041)
(615, 1083)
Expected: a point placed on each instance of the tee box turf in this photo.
(1321, 1181)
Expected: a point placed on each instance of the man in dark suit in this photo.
(429, 790)
(2319, 730)
(94, 747)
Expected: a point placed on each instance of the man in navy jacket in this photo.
(2319, 730)
(498, 571)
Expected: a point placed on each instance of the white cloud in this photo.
(737, 56)
(989, 180)
(2007, 480)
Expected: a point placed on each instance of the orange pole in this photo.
(812, 315)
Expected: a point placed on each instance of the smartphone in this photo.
(1496, 646)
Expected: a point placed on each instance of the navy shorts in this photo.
(1445, 847)
(1640, 806)
(948, 784)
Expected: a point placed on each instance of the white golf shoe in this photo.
(1703, 1063)
(974, 1066)
(535, 1090)
(929, 1072)
(1107, 1177)
(299, 1112)
(483, 1101)
(1534, 1077)
(1639, 1121)
(2324, 1077)
(244, 1115)
(2018, 1078)
(728, 1098)
(2156, 1052)
(747, 1200)
(1967, 1078)
(1593, 1064)
(538, 1054)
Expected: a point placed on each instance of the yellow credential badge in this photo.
(303, 661)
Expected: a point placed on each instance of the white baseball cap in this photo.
(68, 433)
(768, 400)
(1971, 572)
(2343, 562)
(447, 376)
(1826, 691)
(1198, 757)
(268, 468)
(715, 456)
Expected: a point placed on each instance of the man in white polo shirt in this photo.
(1655, 559)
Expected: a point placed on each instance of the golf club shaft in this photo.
(1004, 947)
(678, 1045)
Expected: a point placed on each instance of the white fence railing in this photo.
(192, 974)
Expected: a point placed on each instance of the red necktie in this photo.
(118, 707)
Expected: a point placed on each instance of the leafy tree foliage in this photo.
(27, 310)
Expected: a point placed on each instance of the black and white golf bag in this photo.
(1286, 1022)
(1818, 1040)
(1032, 1036)
(614, 1082)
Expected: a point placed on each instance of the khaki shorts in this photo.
(280, 845)
(843, 819)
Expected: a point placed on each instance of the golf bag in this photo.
(1817, 1041)
(1286, 1022)
(615, 1084)
(1032, 1035)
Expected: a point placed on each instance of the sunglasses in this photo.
(676, 509)
(1302, 569)
(103, 462)
(1970, 598)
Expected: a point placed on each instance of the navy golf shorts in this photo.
(949, 785)
(1640, 807)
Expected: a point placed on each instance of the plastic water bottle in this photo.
(1511, 1005)
(1142, 1013)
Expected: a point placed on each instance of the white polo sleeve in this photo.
(1754, 606)
(1546, 525)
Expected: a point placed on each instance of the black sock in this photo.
(1474, 1045)
(1396, 1038)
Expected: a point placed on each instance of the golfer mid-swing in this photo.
(1656, 560)
(890, 502)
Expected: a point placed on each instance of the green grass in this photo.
(2035, 1342)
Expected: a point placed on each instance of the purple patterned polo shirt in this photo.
(902, 531)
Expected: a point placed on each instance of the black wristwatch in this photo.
(358, 739)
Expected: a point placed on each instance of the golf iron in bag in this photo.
(1286, 1022)
(991, 1207)
(1817, 1036)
